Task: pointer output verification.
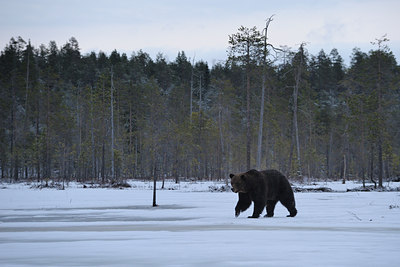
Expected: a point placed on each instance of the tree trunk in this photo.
(264, 73)
(362, 149)
(3, 166)
(222, 148)
(344, 169)
(16, 167)
(92, 136)
(201, 99)
(135, 171)
(191, 92)
(295, 128)
(372, 166)
(103, 163)
(154, 184)
(295, 123)
(47, 162)
(261, 122)
(78, 122)
(248, 133)
(289, 167)
(164, 170)
(13, 134)
(37, 139)
(130, 150)
(380, 163)
(112, 125)
(380, 157)
(381, 116)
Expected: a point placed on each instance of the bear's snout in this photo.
(235, 190)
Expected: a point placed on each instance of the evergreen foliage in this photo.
(55, 113)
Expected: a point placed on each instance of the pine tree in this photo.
(245, 50)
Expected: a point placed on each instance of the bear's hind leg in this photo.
(270, 208)
(290, 205)
(293, 212)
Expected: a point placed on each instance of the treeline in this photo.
(97, 117)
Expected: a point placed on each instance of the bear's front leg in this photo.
(243, 203)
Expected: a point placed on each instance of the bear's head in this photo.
(238, 182)
(242, 182)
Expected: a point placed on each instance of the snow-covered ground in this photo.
(193, 227)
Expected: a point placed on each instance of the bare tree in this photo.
(264, 73)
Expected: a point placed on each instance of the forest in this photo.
(68, 116)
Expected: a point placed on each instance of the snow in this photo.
(193, 227)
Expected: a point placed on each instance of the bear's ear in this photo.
(243, 177)
(231, 175)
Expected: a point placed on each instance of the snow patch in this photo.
(192, 226)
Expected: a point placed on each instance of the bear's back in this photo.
(275, 182)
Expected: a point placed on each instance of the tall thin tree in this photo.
(298, 61)
(112, 124)
(381, 47)
(264, 73)
(245, 49)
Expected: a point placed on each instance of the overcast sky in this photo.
(200, 28)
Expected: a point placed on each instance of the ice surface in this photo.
(104, 227)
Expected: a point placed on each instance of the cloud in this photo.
(199, 26)
(327, 33)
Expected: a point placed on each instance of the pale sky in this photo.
(200, 28)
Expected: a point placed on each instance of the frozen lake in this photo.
(103, 227)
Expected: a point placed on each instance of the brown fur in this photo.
(264, 189)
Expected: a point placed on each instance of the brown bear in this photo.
(264, 188)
